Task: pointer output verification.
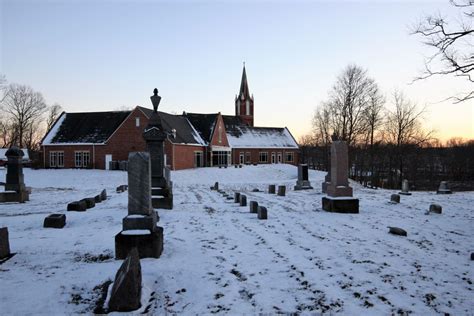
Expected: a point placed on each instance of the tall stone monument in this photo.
(139, 226)
(303, 178)
(15, 190)
(339, 192)
(155, 135)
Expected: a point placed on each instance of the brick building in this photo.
(94, 139)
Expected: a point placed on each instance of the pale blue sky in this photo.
(104, 55)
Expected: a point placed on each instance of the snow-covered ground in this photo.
(219, 258)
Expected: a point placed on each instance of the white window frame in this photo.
(248, 157)
(273, 158)
(241, 158)
(137, 121)
(291, 156)
(263, 154)
(82, 158)
(279, 157)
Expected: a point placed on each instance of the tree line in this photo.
(386, 144)
(25, 116)
(387, 139)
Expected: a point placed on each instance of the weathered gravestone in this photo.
(139, 226)
(271, 189)
(397, 231)
(253, 207)
(55, 221)
(127, 287)
(15, 190)
(236, 197)
(90, 202)
(78, 206)
(303, 179)
(281, 190)
(4, 243)
(405, 188)
(327, 178)
(262, 212)
(436, 208)
(395, 198)
(103, 195)
(339, 192)
(155, 135)
(444, 188)
(243, 200)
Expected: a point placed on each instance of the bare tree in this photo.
(24, 108)
(453, 45)
(404, 129)
(53, 114)
(403, 124)
(349, 98)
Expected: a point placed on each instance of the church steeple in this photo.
(244, 101)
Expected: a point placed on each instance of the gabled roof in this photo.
(85, 127)
(243, 136)
(185, 133)
(203, 123)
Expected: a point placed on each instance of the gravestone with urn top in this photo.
(155, 135)
(15, 190)
(339, 192)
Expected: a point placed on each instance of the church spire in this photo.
(244, 102)
(244, 87)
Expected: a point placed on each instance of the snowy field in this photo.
(219, 258)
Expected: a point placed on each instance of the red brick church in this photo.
(94, 139)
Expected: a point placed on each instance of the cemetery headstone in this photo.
(262, 212)
(271, 189)
(139, 226)
(327, 178)
(281, 190)
(303, 179)
(436, 208)
(405, 188)
(444, 188)
(103, 195)
(243, 200)
(395, 198)
(472, 255)
(127, 287)
(15, 189)
(253, 207)
(4, 243)
(155, 135)
(236, 197)
(55, 221)
(78, 206)
(90, 202)
(339, 192)
(397, 231)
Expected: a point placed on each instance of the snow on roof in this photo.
(260, 137)
(54, 130)
(4, 150)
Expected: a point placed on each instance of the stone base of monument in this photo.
(162, 198)
(303, 185)
(341, 204)
(149, 244)
(136, 221)
(324, 186)
(13, 196)
(444, 192)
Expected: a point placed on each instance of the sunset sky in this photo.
(107, 55)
